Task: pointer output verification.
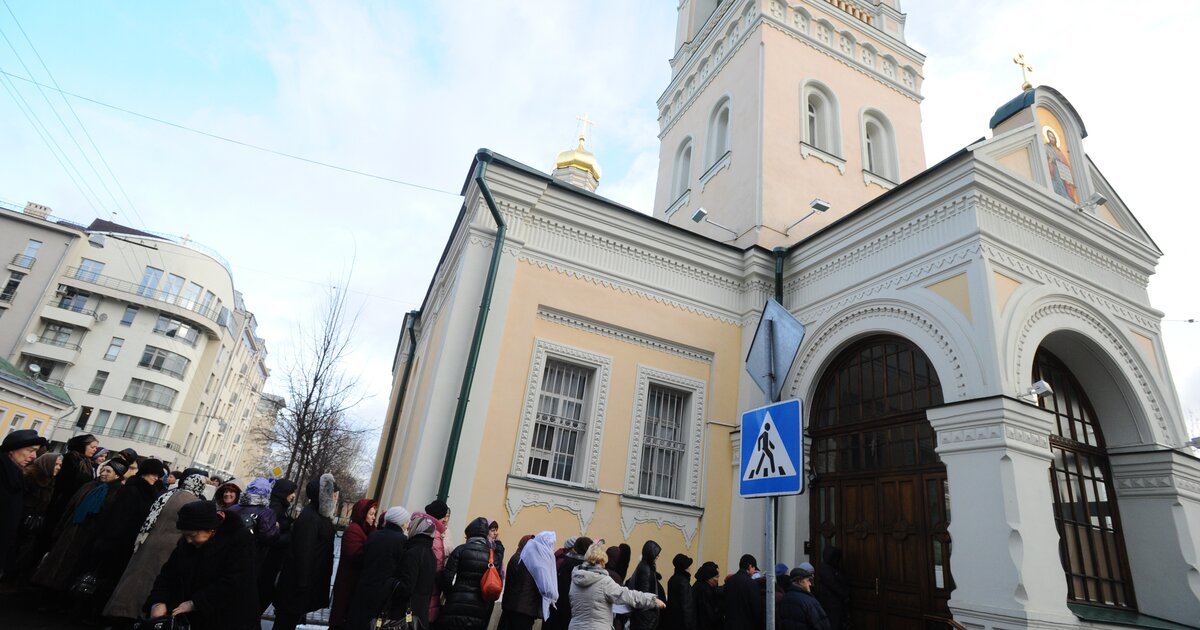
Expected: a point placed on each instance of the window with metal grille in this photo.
(561, 422)
(1091, 545)
(663, 443)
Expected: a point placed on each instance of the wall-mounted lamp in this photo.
(1038, 391)
(1092, 202)
(817, 205)
(701, 215)
(96, 240)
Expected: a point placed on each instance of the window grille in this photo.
(663, 443)
(561, 422)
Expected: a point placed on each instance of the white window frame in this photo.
(694, 417)
(589, 457)
(681, 173)
(719, 135)
(828, 125)
(884, 145)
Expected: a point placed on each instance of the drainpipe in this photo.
(411, 318)
(485, 303)
(780, 254)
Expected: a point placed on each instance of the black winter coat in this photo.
(12, 503)
(680, 613)
(560, 614)
(710, 613)
(76, 470)
(382, 557)
(646, 579)
(217, 577)
(307, 569)
(521, 594)
(800, 611)
(833, 589)
(273, 558)
(744, 602)
(413, 586)
(119, 525)
(464, 606)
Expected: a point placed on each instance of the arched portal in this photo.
(880, 492)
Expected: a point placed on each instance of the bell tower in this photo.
(781, 117)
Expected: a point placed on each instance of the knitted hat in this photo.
(437, 509)
(397, 515)
(21, 439)
(198, 516)
(781, 569)
(152, 467)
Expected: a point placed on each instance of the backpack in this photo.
(249, 521)
(490, 584)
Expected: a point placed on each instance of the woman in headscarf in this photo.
(76, 530)
(350, 562)
(155, 541)
(38, 478)
(77, 469)
(382, 557)
(532, 585)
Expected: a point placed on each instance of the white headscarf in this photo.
(538, 557)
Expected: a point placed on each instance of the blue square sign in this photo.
(772, 456)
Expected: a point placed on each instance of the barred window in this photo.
(663, 444)
(561, 422)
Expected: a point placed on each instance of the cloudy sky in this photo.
(407, 91)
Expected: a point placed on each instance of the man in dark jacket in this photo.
(18, 450)
(283, 493)
(707, 596)
(304, 579)
(744, 604)
(118, 528)
(680, 613)
(464, 606)
(799, 610)
(646, 579)
(208, 577)
(560, 615)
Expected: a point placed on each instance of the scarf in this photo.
(421, 525)
(191, 483)
(538, 557)
(92, 503)
(42, 469)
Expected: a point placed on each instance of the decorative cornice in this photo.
(1116, 343)
(524, 492)
(807, 151)
(830, 332)
(1156, 485)
(602, 367)
(580, 322)
(695, 434)
(635, 510)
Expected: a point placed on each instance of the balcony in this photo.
(161, 300)
(63, 311)
(53, 349)
(23, 261)
(121, 434)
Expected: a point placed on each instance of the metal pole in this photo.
(769, 530)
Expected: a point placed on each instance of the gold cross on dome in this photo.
(1025, 67)
(584, 123)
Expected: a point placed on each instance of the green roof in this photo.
(12, 374)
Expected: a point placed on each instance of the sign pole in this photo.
(772, 502)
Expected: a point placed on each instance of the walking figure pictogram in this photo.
(766, 447)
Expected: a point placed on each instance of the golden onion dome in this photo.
(579, 158)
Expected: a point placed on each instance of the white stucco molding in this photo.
(695, 432)
(1165, 473)
(721, 164)
(904, 320)
(1059, 315)
(683, 200)
(636, 510)
(523, 492)
(602, 371)
(981, 425)
(611, 331)
(807, 151)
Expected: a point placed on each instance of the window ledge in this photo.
(807, 150)
(636, 510)
(525, 491)
(679, 203)
(717, 167)
(879, 180)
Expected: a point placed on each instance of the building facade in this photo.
(29, 403)
(147, 335)
(992, 434)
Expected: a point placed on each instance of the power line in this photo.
(240, 143)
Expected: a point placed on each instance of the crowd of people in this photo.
(118, 540)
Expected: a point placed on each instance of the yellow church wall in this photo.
(788, 189)
(956, 291)
(534, 287)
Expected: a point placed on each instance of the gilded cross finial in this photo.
(584, 123)
(1025, 67)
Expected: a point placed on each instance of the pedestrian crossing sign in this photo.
(772, 457)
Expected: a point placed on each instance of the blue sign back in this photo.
(772, 455)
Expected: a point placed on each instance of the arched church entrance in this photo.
(880, 492)
(1091, 545)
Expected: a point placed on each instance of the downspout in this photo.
(485, 304)
(780, 254)
(412, 318)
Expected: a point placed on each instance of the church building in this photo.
(991, 434)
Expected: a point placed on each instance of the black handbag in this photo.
(407, 622)
(165, 622)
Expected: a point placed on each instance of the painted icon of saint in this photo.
(1061, 177)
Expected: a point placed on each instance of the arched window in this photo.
(718, 132)
(1091, 545)
(879, 147)
(821, 126)
(681, 178)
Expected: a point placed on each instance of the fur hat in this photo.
(117, 466)
(681, 562)
(198, 516)
(707, 571)
(152, 467)
(21, 439)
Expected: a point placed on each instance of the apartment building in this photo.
(144, 331)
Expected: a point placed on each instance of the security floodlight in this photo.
(818, 205)
(1097, 199)
(96, 240)
(699, 215)
(1194, 443)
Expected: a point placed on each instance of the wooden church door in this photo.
(880, 490)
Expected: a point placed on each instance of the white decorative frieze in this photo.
(684, 518)
(523, 492)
